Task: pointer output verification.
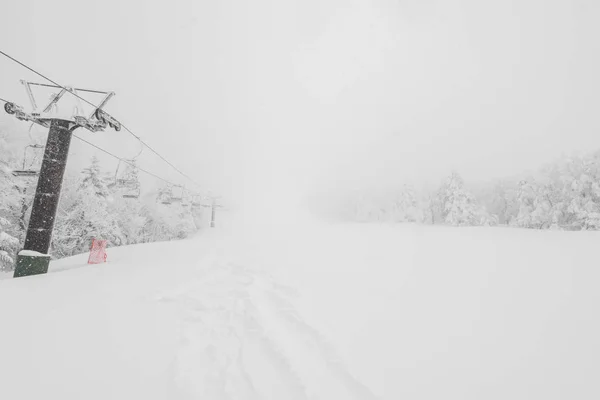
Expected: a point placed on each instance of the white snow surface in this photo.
(303, 310)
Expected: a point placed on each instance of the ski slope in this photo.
(295, 309)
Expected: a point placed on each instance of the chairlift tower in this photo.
(34, 258)
(213, 205)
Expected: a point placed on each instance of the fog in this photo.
(267, 102)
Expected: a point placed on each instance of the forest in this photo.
(562, 195)
(91, 206)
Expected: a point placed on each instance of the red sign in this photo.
(97, 252)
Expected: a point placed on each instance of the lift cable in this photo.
(95, 106)
(126, 161)
(123, 160)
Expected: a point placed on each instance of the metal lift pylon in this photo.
(34, 258)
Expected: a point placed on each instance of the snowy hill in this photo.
(312, 311)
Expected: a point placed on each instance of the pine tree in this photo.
(548, 206)
(526, 195)
(92, 180)
(459, 207)
(9, 206)
(501, 201)
(86, 219)
(428, 210)
(84, 214)
(405, 207)
(131, 172)
(131, 219)
(584, 204)
(8, 246)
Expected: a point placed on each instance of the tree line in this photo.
(564, 195)
(91, 206)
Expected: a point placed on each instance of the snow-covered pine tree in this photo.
(131, 171)
(428, 210)
(130, 219)
(459, 207)
(93, 181)
(185, 222)
(526, 194)
(154, 228)
(547, 206)
(405, 207)
(9, 208)
(84, 214)
(584, 204)
(500, 200)
(8, 246)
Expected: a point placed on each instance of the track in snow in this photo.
(241, 338)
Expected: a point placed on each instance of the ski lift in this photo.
(165, 195)
(210, 202)
(28, 170)
(196, 200)
(173, 194)
(186, 200)
(97, 121)
(31, 157)
(177, 194)
(128, 182)
(133, 193)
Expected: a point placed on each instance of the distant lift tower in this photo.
(34, 258)
(213, 205)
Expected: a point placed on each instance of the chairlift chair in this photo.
(186, 200)
(131, 189)
(25, 173)
(28, 171)
(209, 202)
(196, 200)
(165, 195)
(133, 194)
(129, 184)
(178, 197)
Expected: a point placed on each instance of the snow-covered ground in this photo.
(260, 309)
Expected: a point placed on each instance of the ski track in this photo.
(241, 338)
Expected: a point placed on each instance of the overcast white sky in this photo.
(270, 96)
